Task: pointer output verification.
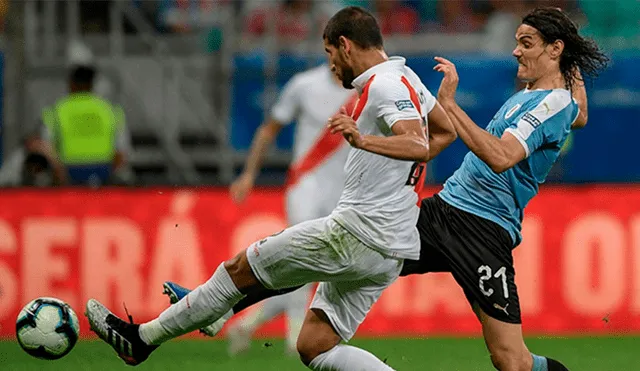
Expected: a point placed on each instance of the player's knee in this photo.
(240, 271)
(308, 349)
(511, 359)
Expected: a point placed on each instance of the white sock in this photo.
(199, 308)
(264, 313)
(347, 358)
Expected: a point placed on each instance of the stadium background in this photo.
(195, 78)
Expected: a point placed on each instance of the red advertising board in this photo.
(578, 269)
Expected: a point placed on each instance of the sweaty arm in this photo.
(408, 143)
(441, 130)
(499, 153)
(547, 122)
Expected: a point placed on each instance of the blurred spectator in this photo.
(395, 18)
(291, 19)
(30, 165)
(87, 132)
(458, 16)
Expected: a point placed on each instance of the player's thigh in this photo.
(504, 342)
(433, 230)
(298, 255)
(346, 303)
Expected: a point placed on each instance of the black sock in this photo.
(554, 365)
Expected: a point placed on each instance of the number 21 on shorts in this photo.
(485, 275)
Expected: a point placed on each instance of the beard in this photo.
(347, 78)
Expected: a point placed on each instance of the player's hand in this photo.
(449, 84)
(343, 123)
(241, 187)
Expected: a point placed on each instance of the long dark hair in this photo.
(579, 52)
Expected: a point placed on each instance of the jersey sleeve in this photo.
(392, 100)
(548, 122)
(286, 108)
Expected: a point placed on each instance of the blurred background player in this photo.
(313, 186)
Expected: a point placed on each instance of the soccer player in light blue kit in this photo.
(471, 227)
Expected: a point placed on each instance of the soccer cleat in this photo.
(176, 292)
(122, 336)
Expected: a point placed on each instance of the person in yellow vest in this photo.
(86, 131)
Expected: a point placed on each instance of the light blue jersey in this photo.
(541, 120)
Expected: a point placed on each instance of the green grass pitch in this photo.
(447, 354)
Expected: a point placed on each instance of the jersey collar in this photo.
(392, 64)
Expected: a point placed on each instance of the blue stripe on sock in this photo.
(539, 363)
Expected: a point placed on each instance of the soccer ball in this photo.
(47, 328)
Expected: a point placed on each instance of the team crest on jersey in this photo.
(512, 111)
(402, 104)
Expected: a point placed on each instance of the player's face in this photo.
(338, 61)
(531, 53)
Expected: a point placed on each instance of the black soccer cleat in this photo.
(122, 336)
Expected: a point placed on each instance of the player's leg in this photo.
(507, 348)
(339, 307)
(133, 343)
(480, 259)
(176, 292)
(337, 310)
(297, 302)
(278, 261)
(240, 333)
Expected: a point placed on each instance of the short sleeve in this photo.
(548, 122)
(391, 98)
(288, 103)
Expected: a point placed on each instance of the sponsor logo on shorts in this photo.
(402, 104)
(504, 309)
(256, 251)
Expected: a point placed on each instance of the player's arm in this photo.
(441, 130)
(580, 95)
(500, 154)
(409, 142)
(263, 139)
(283, 112)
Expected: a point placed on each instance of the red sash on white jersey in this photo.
(323, 148)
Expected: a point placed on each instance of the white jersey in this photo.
(379, 201)
(316, 176)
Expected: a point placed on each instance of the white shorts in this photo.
(353, 275)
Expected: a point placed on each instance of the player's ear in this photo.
(344, 44)
(556, 48)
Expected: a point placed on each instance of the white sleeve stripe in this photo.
(520, 139)
(551, 105)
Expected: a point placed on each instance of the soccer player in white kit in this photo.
(358, 250)
(314, 183)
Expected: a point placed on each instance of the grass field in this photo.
(593, 354)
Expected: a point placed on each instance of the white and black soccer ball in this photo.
(47, 328)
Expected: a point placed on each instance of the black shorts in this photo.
(475, 250)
